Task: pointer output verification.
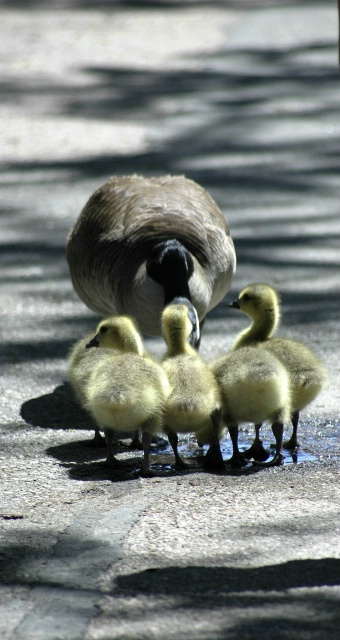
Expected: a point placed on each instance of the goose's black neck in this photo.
(171, 265)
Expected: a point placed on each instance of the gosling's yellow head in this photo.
(180, 327)
(258, 301)
(118, 332)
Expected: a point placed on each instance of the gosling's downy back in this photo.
(126, 391)
(308, 375)
(194, 391)
(255, 386)
(81, 362)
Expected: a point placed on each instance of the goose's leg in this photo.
(257, 450)
(237, 459)
(292, 443)
(213, 460)
(173, 439)
(277, 428)
(111, 460)
(145, 470)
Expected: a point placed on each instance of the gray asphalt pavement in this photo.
(243, 97)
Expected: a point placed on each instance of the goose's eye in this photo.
(246, 298)
(103, 330)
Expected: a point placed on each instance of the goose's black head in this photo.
(171, 265)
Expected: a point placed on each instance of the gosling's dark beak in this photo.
(235, 304)
(93, 343)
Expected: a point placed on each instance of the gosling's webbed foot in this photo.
(97, 441)
(213, 460)
(237, 460)
(275, 462)
(256, 451)
(113, 463)
(278, 459)
(291, 444)
(180, 465)
(145, 472)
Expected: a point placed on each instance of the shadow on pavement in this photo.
(56, 410)
(309, 612)
(108, 5)
(197, 581)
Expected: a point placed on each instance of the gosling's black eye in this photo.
(245, 297)
(103, 330)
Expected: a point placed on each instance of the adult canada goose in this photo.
(142, 243)
(255, 387)
(193, 404)
(307, 374)
(126, 391)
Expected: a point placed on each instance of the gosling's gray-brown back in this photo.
(141, 242)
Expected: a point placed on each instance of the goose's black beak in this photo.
(93, 343)
(235, 304)
(195, 338)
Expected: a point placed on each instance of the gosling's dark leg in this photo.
(237, 459)
(111, 460)
(173, 439)
(213, 460)
(257, 450)
(277, 428)
(136, 442)
(98, 440)
(145, 470)
(292, 443)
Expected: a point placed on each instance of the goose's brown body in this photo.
(117, 231)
